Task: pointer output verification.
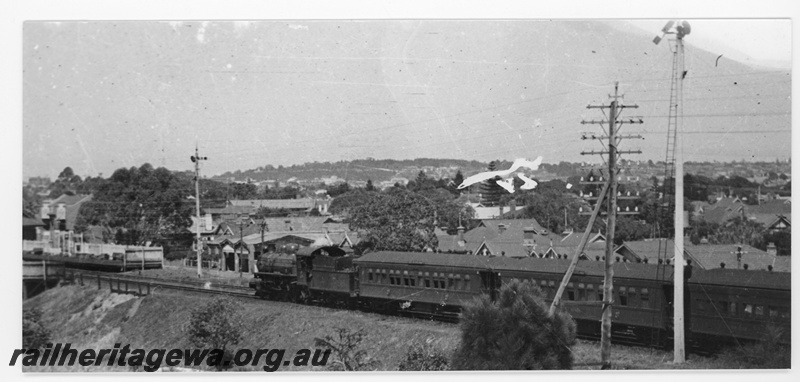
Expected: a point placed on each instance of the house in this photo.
(775, 214)
(496, 237)
(63, 211)
(497, 212)
(723, 210)
(30, 227)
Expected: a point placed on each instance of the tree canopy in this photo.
(138, 205)
(396, 220)
(515, 332)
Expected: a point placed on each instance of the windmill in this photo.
(674, 169)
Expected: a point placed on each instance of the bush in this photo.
(424, 357)
(514, 333)
(217, 325)
(346, 345)
(770, 353)
(34, 334)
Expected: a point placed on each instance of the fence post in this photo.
(98, 283)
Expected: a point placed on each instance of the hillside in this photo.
(92, 319)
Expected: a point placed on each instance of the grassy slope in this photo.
(89, 318)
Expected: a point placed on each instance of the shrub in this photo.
(346, 345)
(516, 332)
(217, 324)
(34, 334)
(424, 357)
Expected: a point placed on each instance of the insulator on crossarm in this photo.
(581, 179)
(627, 209)
(591, 179)
(580, 209)
(581, 193)
(618, 209)
(601, 178)
(637, 193)
(661, 195)
(629, 193)
(590, 194)
(636, 209)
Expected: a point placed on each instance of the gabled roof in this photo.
(503, 248)
(513, 226)
(69, 200)
(709, 256)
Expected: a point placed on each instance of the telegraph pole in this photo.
(612, 210)
(196, 158)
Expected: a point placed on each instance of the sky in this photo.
(118, 107)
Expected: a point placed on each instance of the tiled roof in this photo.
(774, 207)
(504, 248)
(709, 256)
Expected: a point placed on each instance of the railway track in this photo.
(144, 285)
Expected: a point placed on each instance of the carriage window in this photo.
(570, 292)
(370, 275)
(581, 292)
(623, 296)
(748, 309)
(551, 289)
(427, 283)
(406, 281)
(600, 293)
(451, 282)
(759, 311)
(645, 298)
(632, 296)
(773, 312)
(701, 305)
(732, 309)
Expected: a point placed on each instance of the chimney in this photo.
(772, 250)
(527, 237)
(460, 230)
(501, 227)
(208, 222)
(501, 211)
(512, 206)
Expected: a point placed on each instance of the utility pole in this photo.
(196, 158)
(612, 210)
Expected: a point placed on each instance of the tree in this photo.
(217, 324)
(66, 183)
(146, 204)
(243, 191)
(343, 203)
(369, 186)
(547, 204)
(396, 220)
(516, 332)
(491, 192)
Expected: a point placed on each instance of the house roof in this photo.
(709, 256)
(72, 205)
(31, 222)
(289, 204)
(503, 248)
(774, 207)
(723, 210)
